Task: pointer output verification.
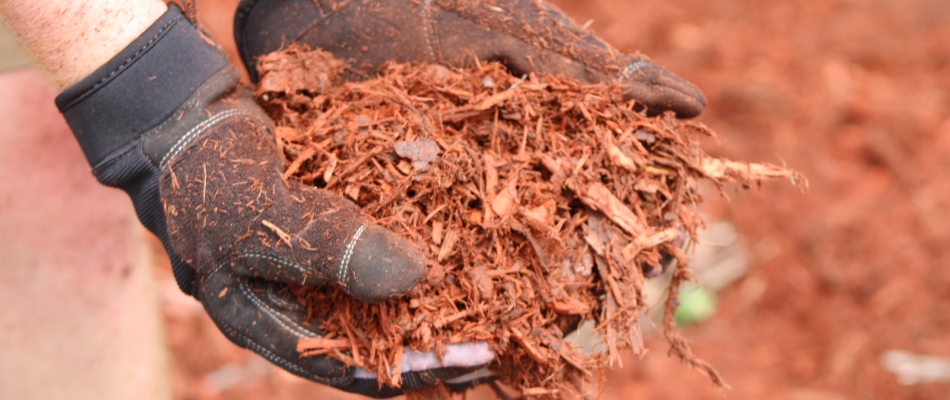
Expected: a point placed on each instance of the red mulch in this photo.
(852, 94)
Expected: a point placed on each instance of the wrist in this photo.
(146, 93)
(70, 39)
(140, 87)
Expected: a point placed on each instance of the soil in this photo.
(853, 94)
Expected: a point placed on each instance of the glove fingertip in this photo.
(661, 90)
(381, 266)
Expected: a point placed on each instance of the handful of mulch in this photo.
(541, 203)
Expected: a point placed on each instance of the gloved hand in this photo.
(525, 35)
(166, 121)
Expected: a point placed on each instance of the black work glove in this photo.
(525, 35)
(166, 121)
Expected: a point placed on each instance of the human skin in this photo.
(69, 39)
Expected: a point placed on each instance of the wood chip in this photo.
(448, 244)
(597, 196)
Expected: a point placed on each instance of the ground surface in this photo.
(79, 319)
(853, 93)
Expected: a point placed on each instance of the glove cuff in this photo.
(134, 93)
(141, 87)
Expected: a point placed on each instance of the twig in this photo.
(452, 318)
(320, 343)
(284, 237)
(528, 347)
(597, 196)
(349, 333)
(396, 378)
(678, 346)
(537, 392)
(307, 154)
(566, 357)
(604, 272)
(619, 312)
(204, 183)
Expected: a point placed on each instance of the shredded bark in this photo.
(540, 202)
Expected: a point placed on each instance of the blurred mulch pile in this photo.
(539, 201)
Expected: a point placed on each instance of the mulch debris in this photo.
(540, 202)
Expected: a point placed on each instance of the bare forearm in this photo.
(69, 39)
